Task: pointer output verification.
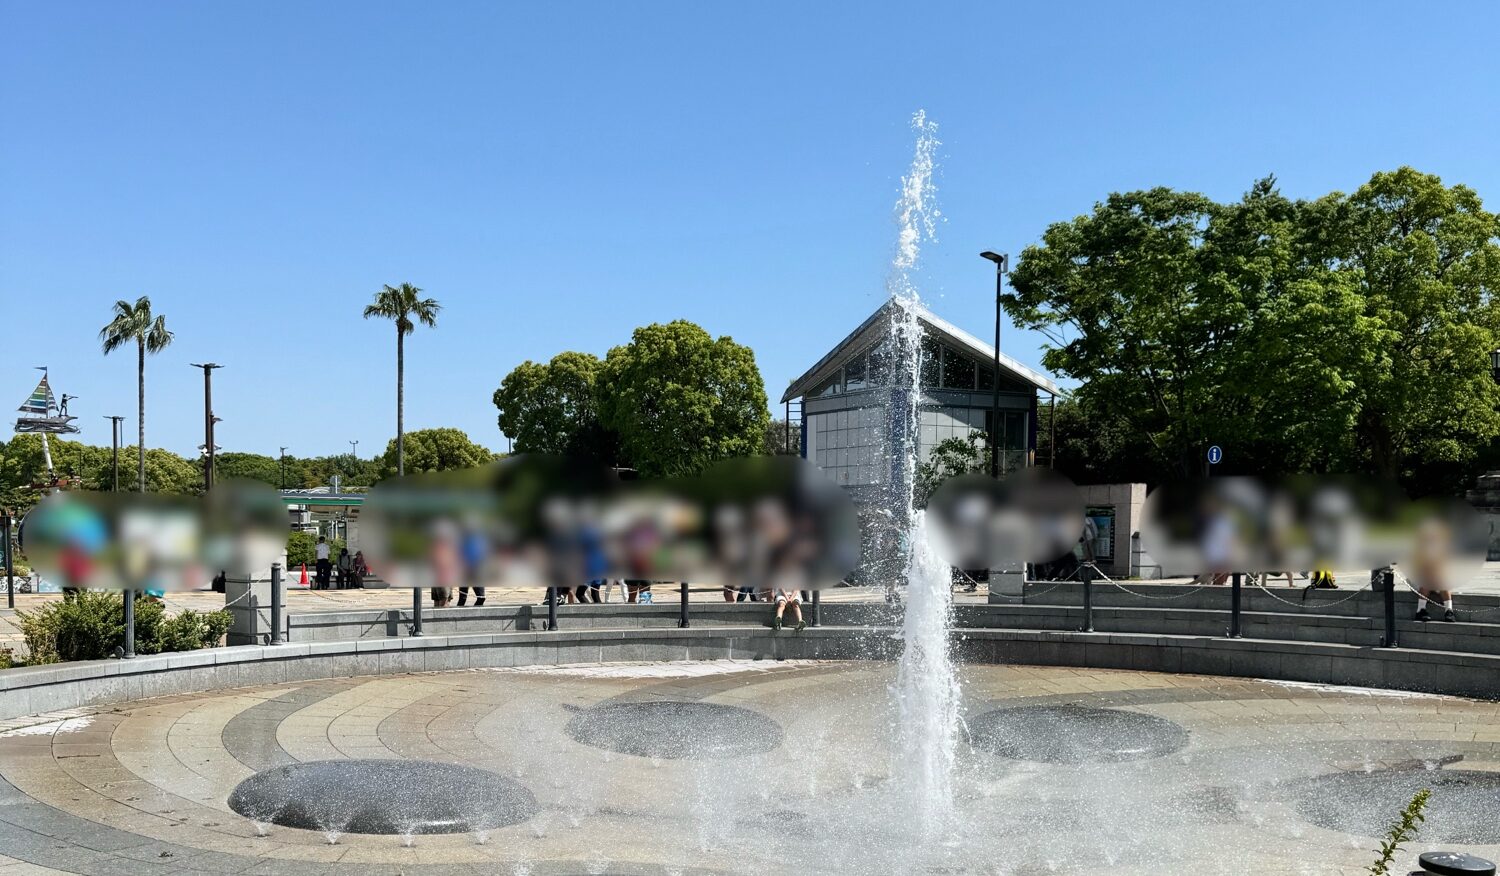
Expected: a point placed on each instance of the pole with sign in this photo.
(1215, 456)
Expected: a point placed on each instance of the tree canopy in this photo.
(679, 399)
(442, 449)
(1349, 332)
(552, 408)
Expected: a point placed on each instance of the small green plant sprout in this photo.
(1400, 831)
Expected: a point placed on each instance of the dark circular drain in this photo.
(1074, 734)
(669, 729)
(1461, 811)
(382, 797)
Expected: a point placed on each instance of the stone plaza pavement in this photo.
(1217, 783)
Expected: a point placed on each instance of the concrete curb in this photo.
(32, 690)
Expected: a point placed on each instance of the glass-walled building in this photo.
(846, 400)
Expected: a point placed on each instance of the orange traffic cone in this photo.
(304, 574)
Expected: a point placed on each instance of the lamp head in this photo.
(1001, 260)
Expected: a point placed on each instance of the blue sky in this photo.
(557, 174)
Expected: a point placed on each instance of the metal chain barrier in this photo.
(1157, 597)
(1457, 611)
(1304, 605)
(1005, 596)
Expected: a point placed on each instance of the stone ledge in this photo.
(29, 691)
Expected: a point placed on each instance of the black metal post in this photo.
(683, 620)
(1390, 609)
(551, 608)
(1234, 606)
(817, 609)
(10, 568)
(416, 611)
(276, 604)
(1088, 599)
(995, 401)
(129, 624)
(283, 468)
(114, 428)
(208, 423)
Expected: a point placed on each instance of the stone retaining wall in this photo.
(31, 690)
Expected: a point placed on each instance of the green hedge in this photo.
(91, 625)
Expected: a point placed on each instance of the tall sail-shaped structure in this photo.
(41, 415)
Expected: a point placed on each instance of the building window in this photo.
(827, 387)
(958, 371)
(855, 374)
(879, 357)
(987, 378)
(932, 362)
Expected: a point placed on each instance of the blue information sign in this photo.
(1215, 455)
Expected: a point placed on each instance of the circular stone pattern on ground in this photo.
(1074, 734)
(1461, 811)
(383, 797)
(674, 730)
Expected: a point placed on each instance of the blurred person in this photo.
(475, 549)
(1428, 568)
(445, 562)
(322, 566)
(359, 569)
(595, 560)
(345, 566)
(1216, 541)
(729, 548)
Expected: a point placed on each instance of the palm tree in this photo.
(402, 304)
(134, 322)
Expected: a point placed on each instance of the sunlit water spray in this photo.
(926, 690)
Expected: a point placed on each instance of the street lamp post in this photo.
(114, 428)
(1001, 261)
(1495, 365)
(354, 448)
(283, 468)
(208, 423)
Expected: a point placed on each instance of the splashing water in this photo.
(926, 690)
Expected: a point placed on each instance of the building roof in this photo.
(874, 328)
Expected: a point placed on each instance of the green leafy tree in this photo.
(166, 472)
(782, 441)
(680, 399)
(134, 323)
(1346, 332)
(431, 450)
(249, 467)
(404, 306)
(951, 457)
(552, 408)
(1426, 260)
(1095, 449)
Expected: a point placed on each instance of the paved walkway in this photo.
(1240, 776)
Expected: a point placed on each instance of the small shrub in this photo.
(301, 547)
(39, 630)
(91, 625)
(7, 658)
(1402, 830)
(192, 630)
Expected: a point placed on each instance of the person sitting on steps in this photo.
(783, 599)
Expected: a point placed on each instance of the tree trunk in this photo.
(140, 415)
(400, 401)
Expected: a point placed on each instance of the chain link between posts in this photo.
(1023, 596)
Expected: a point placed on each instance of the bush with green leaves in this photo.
(301, 547)
(192, 630)
(91, 625)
